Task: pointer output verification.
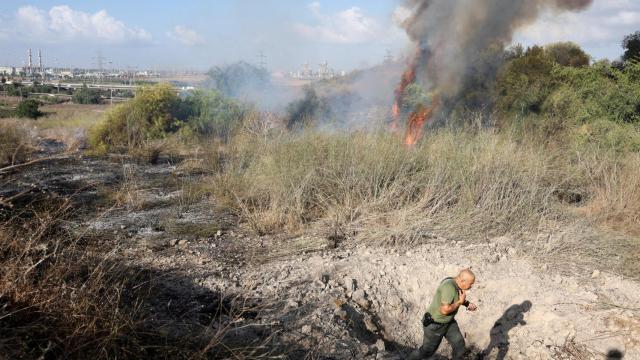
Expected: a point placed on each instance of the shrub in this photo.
(413, 96)
(525, 82)
(303, 111)
(567, 54)
(16, 89)
(600, 91)
(15, 143)
(154, 113)
(212, 114)
(28, 109)
(237, 79)
(85, 96)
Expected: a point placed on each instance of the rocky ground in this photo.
(329, 297)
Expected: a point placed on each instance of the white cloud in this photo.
(62, 23)
(30, 17)
(349, 26)
(186, 36)
(604, 24)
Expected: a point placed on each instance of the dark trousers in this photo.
(433, 335)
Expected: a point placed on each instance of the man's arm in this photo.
(446, 308)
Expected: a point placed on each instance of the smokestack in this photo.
(30, 66)
(40, 61)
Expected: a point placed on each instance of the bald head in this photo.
(465, 279)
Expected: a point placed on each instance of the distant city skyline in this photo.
(197, 35)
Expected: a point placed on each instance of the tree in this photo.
(525, 82)
(309, 108)
(631, 46)
(212, 114)
(239, 79)
(28, 109)
(568, 54)
(154, 113)
(85, 96)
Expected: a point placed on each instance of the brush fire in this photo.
(450, 37)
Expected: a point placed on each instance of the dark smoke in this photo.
(457, 32)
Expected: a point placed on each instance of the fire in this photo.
(417, 120)
(408, 77)
(419, 116)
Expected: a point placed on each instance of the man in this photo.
(439, 320)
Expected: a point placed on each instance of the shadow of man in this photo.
(511, 318)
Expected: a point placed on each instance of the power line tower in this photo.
(388, 58)
(262, 60)
(100, 60)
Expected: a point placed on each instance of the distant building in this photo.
(323, 72)
(7, 70)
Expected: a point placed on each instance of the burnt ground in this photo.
(302, 296)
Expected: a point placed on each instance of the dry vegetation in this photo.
(16, 143)
(459, 181)
(63, 295)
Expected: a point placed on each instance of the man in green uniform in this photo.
(439, 320)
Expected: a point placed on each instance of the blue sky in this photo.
(198, 34)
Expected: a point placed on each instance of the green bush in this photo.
(568, 54)
(85, 96)
(28, 109)
(303, 111)
(237, 79)
(212, 114)
(560, 96)
(413, 96)
(157, 112)
(525, 83)
(153, 114)
(599, 91)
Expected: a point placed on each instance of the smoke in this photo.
(452, 34)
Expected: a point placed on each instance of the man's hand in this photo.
(463, 297)
(472, 307)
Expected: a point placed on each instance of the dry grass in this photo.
(376, 187)
(614, 185)
(456, 183)
(16, 144)
(74, 297)
(71, 116)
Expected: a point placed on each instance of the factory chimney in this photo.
(30, 66)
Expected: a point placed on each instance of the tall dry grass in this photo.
(614, 186)
(374, 186)
(16, 142)
(461, 182)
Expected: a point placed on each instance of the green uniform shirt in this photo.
(447, 293)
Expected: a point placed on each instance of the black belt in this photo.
(427, 320)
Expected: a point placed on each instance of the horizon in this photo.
(196, 36)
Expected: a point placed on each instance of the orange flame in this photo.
(417, 120)
(408, 77)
